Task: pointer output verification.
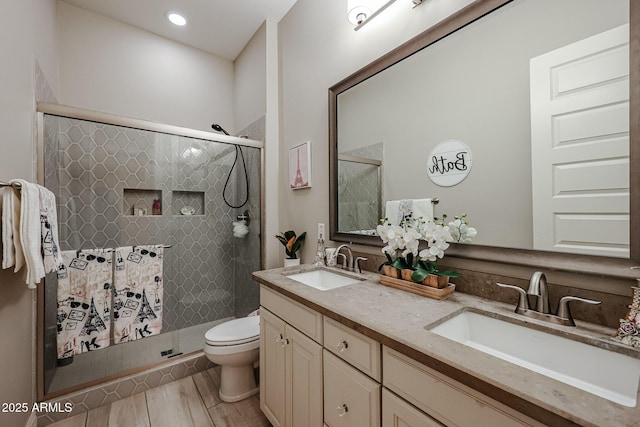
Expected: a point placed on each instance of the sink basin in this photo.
(605, 373)
(323, 279)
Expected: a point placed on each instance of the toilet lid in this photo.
(236, 331)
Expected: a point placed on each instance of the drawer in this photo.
(351, 399)
(304, 319)
(443, 398)
(397, 412)
(353, 347)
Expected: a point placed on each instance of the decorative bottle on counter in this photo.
(157, 208)
(319, 260)
(629, 330)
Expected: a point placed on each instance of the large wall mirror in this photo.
(540, 92)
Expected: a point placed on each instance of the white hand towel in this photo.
(12, 254)
(8, 257)
(30, 231)
(49, 226)
(423, 208)
(397, 210)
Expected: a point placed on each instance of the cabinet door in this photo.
(272, 367)
(351, 399)
(398, 413)
(303, 380)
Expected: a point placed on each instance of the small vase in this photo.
(291, 262)
(434, 281)
(629, 329)
(406, 274)
(390, 271)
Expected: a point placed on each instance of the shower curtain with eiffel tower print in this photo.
(137, 302)
(84, 301)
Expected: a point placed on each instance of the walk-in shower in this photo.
(122, 182)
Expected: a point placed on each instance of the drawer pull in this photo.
(342, 410)
(285, 342)
(280, 338)
(343, 346)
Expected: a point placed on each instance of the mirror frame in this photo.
(602, 266)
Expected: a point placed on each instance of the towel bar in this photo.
(15, 185)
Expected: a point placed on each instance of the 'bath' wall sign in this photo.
(449, 163)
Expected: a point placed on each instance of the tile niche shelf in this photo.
(135, 199)
(186, 199)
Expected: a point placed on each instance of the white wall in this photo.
(28, 34)
(116, 68)
(250, 81)
(318, 48)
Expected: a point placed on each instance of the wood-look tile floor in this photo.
(190, 402)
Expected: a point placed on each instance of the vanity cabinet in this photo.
(350, 397)
(397, 412)
(290, 363)
(353, 347)
(352, 375)
(442, 398)
(315, 371)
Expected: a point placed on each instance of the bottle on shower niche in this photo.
(156, 208)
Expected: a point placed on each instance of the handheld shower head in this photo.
(218, 128)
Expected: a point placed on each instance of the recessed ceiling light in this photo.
(176, 18)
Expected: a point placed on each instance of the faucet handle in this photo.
(523, 301)
(564, 311)
(358, 268)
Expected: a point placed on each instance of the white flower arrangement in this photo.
(460, 229)
(403, 241)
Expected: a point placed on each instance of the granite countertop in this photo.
(398, 319)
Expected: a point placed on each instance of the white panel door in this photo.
(580, 146)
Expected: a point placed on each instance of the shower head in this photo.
(218, 128)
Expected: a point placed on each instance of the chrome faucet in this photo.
(347, 262)
(538, 288)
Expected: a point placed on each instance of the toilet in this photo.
(235, 345)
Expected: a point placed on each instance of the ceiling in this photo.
(220, 27)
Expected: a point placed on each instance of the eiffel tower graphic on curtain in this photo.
(94, 322)
(146, 312)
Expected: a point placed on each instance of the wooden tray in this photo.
(415, 288)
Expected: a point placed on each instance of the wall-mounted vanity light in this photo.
(359, 12)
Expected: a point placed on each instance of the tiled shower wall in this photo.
(358, 190)
(96, 169)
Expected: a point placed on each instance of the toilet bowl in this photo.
(235, 346)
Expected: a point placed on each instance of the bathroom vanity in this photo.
(364, 354)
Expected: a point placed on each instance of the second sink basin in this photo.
(605, 373)
(324, 280)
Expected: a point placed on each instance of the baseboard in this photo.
(32, 421)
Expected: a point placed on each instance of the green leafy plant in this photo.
(425, 268)
(291, 242)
